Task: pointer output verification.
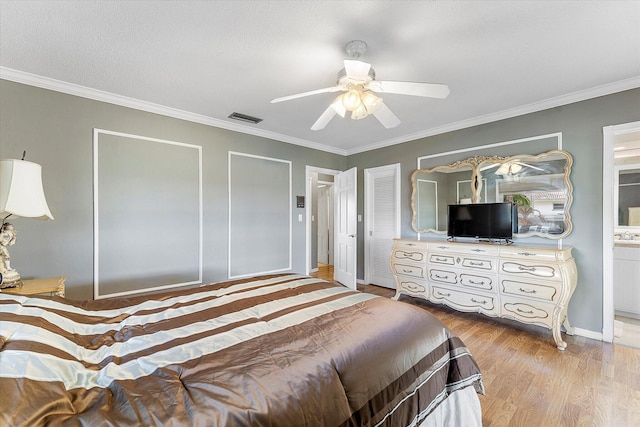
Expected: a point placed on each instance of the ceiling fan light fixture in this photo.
(358, 84)
(351, 100)
(371, 102)
(359, 113)
(508, 169)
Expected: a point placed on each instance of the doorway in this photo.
(621, 147)
(319, 222)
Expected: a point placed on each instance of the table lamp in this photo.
(21, 195)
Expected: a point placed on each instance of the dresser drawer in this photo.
(409, 270)
(442, 259)
(480, 264)
(539, 313)
(531, 269)
(458, 248)
(465, 301)
(403, 254)
(477, 282)
(536, 254)
(545, 292)
(413, 287)
(443, 276)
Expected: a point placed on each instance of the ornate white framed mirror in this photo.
(539, 184)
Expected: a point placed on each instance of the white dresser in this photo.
(529, 284)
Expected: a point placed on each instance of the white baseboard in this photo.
(314, 270)
(627, 314)
(588, 334)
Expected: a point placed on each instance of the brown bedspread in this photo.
(279, 350)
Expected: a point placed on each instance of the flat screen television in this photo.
(483, 221)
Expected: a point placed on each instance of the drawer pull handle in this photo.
(440, 259)
(523, 268)
(478, 302)
(478, 250)
(411, 244)
(526, 254)
(524, 311)
(474, 282)
(443, 247)
(404, 270)
(476, 263)
(411, 286)
(528, 291)
(440, 277)
(443, 295)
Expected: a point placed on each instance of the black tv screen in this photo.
(483, 220)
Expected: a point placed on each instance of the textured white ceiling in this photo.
(211, 58)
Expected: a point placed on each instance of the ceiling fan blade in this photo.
(386, 117)
(357, 70)
(489, 166)
(324, 118)
(430, 90)
(303, 94)
(527, 165)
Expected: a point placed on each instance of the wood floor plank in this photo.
(529, 382)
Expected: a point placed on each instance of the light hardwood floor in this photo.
(529, 382)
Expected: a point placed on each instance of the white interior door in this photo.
(345, 228)
(382, 222)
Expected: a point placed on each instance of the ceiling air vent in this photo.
(244, 118)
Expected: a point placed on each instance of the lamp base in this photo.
(11, 279)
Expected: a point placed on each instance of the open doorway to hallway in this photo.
(319, 213)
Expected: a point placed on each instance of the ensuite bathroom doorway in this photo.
(621, 234)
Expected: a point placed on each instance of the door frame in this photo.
(608, 170)
(368, 210)
(307, 208)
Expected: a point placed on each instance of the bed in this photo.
(276, 350)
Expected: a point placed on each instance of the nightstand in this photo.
(49, 286)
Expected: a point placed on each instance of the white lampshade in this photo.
(21, 192)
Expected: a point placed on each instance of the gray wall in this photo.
(581, 125)
(56, 131)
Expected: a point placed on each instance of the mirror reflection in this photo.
(628, 195)
(538, 184)
(435, 189)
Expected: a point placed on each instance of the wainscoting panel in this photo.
(147, 214)
(260, 209)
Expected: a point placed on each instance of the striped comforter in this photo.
(280, 350)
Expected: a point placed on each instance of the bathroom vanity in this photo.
(626, 278)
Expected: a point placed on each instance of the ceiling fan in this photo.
(511, 167)
(358, 82)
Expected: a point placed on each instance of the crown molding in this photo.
(570, 98)
(124, 101)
